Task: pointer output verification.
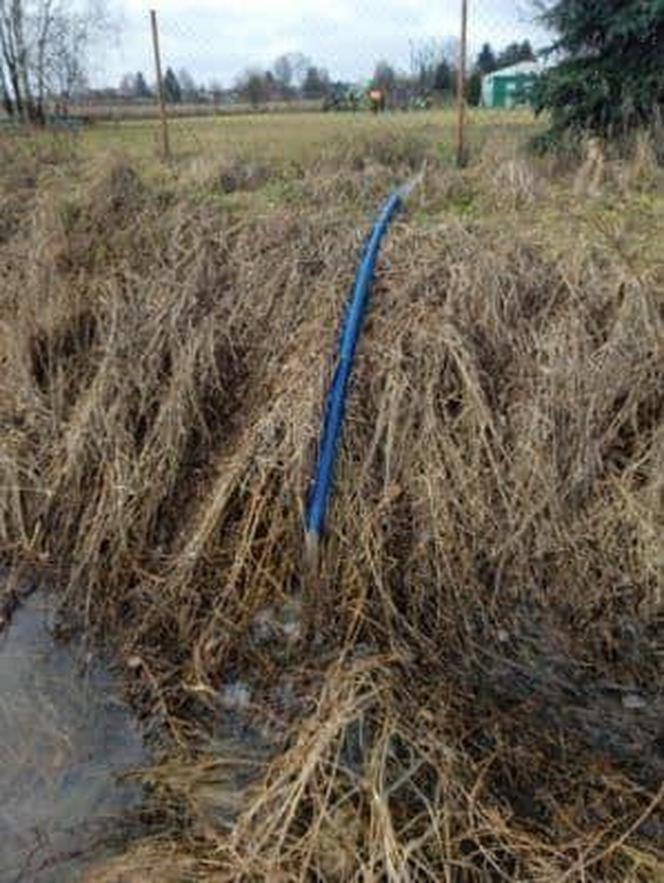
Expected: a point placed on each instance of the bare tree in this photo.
(5, 94)
(384, 77)
(298, 64)
(450, 49)
(64, 66)
(24, 34)
(127, 87)
(424, 58)
(44, 46)
(427, 57)
(283, 72)
(190, 91)
(216, 91)
(11, 27)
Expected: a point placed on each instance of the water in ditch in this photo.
(66, 740)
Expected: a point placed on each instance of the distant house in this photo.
(511, 86)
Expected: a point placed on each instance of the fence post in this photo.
(160, 85)
(461, 87)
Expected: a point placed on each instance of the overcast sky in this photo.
(217, 39)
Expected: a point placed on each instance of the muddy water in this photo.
(64, 740)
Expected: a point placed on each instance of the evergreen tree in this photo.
(271, 88)
(252, 87)
(515, 53)
(444, 78)
(316, 83)
(141, 88)
(486, 61)
(475, 88)
(172, 90)
(527, 52)
(612, 76)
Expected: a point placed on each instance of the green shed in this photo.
(511, 86)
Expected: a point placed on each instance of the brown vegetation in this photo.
(471, 689)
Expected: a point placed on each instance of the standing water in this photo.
(64, 739)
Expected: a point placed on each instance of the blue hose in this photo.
(338, 394)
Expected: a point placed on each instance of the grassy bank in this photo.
(471, 688)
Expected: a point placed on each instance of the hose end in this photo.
(406, 190)
(312, 551)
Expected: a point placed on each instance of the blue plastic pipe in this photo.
(338, 394)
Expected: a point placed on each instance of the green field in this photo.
(297, 137)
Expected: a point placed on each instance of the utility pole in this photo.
(461, 87)
(160, 85)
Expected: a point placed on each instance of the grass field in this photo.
(469, 688)
(297, 137)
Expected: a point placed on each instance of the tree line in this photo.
(608, 76)
(433, 72)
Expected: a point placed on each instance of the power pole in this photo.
(160, 85)
(461, 87)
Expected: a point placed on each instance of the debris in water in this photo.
(236, 696)
(634, 702)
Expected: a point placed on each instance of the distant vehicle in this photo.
(68, 123)
(348, 98)
(342, 98)
(421, 102)
(377, 100)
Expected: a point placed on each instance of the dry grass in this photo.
(471, 687)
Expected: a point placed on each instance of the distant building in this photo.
(511, 86)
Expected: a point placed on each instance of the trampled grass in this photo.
(471, 686)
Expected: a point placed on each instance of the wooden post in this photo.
(160, 85)
(461, 87)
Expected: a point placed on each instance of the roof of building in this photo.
(524, 68)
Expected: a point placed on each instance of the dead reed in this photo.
(472, 687)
